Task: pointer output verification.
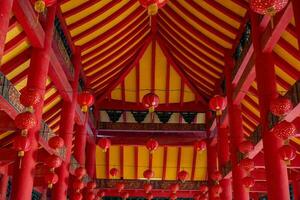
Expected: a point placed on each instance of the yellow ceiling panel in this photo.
(157, 162)
(129, 164)
(145, 70)
(7, 133)
(251, 108)
(114, 159)
(143, 161)
(52, 104)
(290, 39)
(175, 86)
(248, 118)
(22, 84)
(201, 166)
(117, 93)
(294, 62)
(13, 33)
(100, 163)
(248, 126)
(130, 86)
(188, 94)
(160, 74)
(172, 156)
(15, 72)
(233, 7)
(282, 74)
(69, 5)
(16, 51)
(186, 162)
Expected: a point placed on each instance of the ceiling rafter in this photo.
(82, 7)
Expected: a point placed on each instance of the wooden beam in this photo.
(165, 158)
(136, 162)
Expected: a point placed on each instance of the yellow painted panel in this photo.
(7, 133)
(157, 162)
(129, 164)
(49, 93)
(116, 93)
(233, 7)
(100, 163)
(186, 162)
(249, 118)
(287, 57)
(188, 94)
(19, 49)
(114, 159)
(282, 74)
(201, 29)
(290, 39)
(56, 112)
(21, 84)
(201, 166)
(248, 126)
(143, 161)
(101, 18)
(281, 90)
(130, 86)
(13, 33)
(52, 104)
(253, 97)
(145, 72)
(175, 86)
(15, 72)
(160, 74)
(251, 108)
(71, 4)
(171, 169)
(54, 121)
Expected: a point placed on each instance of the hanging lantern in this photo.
(247, 164)
(101, 194)
(203, 188)
(30, 97)
(40, 5)
(267, 7)
(284, 130)
(90, 196)
(51, 178)
(183, 176)
(153, 5)
(173, 197)
(287, 153)
(281, 106)
(113, 172)
(77, 196)
(104, 144)
(149, 196)
(248, 182)
(216, 190)
(91, 185)
(85, 100)
(147, 187)
(78, 185)
(53, 161)
(80, 172)
(21, 145)
(174, 187)
(120, 186)
(217, 104)
(148, 174)
(152, 145)
(200, 145)
(150, 101)
(125, 195)
(25, 121)
(216, 176)
(56, 142)
(246, 147)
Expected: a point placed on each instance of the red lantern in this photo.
(125, 195)
(77, 196)
(25, 121)
(148, 174)
(51, 178)
(270, 7)
(203, 188)
(284, 130)
(216, 190)
(150, 101)
(53, 161)
(56, 142)
(200, 145)
(78, 185)
(101, 194)
(120, 186)
(153, 5)
(104, 144)
(247, 164)
(217, 104)
(246, 147)
(281, 106)
(113, 172)
(80, 172)
(147, 187)
(21, 145)
(85, 100)
(173, 197)
(91, 185)
(287, 153)
(248, 182)
(30, 97)
(152, 145)
(149, 196)
(183, 175)
(174, 187)
(216, 176)
(90, 196)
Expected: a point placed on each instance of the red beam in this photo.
(136, 161)
(121, 161)
(194, 164)
(178, 161)
(165, 158)
(107, 163)
(82, 7)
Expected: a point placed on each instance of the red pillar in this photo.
(3, 183)
(91, 158)
(223, 156)
(22, 184)
(66, 132)
(80, 144)
(5, 10)
(276, 171)
(236, 136)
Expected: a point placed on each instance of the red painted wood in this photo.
(136, 162)
(107, 164)
(194, 164)
(14, 42)
(121, 161)
(296, 6)
(165, 158)
(178, 160)
(82, 7)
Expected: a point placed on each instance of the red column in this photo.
(5, 10)
(23, 178)
(3, 183)
(276, 171)
(91, 157)
(236, 136)
(66, 132)
(80, 144)
(223, 156)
